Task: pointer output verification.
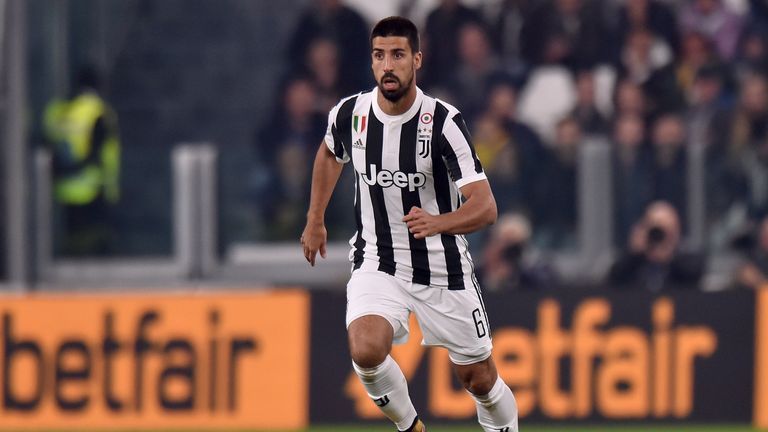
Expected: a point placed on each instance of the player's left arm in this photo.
(478, 211)
(465, 170)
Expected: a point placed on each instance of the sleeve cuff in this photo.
(330, 148)
(470, 179)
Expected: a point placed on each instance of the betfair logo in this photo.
(385, 178)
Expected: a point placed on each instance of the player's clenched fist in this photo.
(313, 239)
(422, 224)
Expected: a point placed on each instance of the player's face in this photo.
(394, 65)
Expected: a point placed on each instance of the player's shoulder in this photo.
(347, 104)
(444, 106)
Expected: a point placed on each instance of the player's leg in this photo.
(457, 321)
(376, 315)
(496, 406)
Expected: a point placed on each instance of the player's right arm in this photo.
(330, 159)
(325, 175)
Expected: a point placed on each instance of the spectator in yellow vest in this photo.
(83, 134)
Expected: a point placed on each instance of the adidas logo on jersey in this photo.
(358, 144)
(385, 178)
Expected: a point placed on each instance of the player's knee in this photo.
(370, 340)
(478, 382)
(481, 386)
(368, 354)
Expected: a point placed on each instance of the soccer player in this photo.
(413, 161)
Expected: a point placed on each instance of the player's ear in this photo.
(417, 60)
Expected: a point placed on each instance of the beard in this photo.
(396, 94)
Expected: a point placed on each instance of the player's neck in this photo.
(400, 106)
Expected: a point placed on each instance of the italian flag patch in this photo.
(358, 123)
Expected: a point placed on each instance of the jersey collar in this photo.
(384, 117)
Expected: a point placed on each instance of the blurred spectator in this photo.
(549, 95)
(295, 120)
(706, 102)
(512, 162)
(586, 112)
(509, 263)
(84, 139)
(650, 14)
(736, 164)
(753, 272)
(566, 32)
(330, 19)
(556, 196)
(477, 68)
(441, 41)
(753, 166)
(749, 121)
(670, 156)
(632, 174)
(642, 55)
(287, 197)
(284, 147)
(630, 99)
(697, 51)
(647, 61)
(501, 162)
(752, 55)
(322, 65)
(507, 23)
(510, 151)
(654, 260)
(713, 19)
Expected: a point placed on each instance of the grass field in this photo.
(471, 428)
(585, 428)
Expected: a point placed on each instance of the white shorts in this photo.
(453, 319)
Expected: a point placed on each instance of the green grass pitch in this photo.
(465, 428)
(524, 428)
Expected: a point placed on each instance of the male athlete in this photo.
(413, 158)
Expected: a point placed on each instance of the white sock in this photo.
(498, 409)
(387, 386)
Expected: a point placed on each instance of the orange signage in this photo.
(761, 360)
(640, 374)
(153, 361)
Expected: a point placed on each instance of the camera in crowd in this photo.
(513, 252)
(656, 235)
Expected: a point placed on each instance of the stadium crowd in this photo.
(535, 79)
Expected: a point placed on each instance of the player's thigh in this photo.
(378, 294)
(455, 320)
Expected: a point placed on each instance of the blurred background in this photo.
(168, 144)
(583, 112)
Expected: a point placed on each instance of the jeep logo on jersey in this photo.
(385, 178)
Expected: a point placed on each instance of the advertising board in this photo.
(594, 356)
(148, 361)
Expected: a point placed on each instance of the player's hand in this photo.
(422, 224)
(313, 239)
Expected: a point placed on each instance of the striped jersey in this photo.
(419, 158)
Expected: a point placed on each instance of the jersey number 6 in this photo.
(479, 325)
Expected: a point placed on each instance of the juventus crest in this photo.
(425, 134)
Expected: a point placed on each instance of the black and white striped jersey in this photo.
(419, 158)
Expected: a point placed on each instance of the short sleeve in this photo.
(459, 153)
(333, 137)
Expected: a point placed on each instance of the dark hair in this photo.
(397, 26)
